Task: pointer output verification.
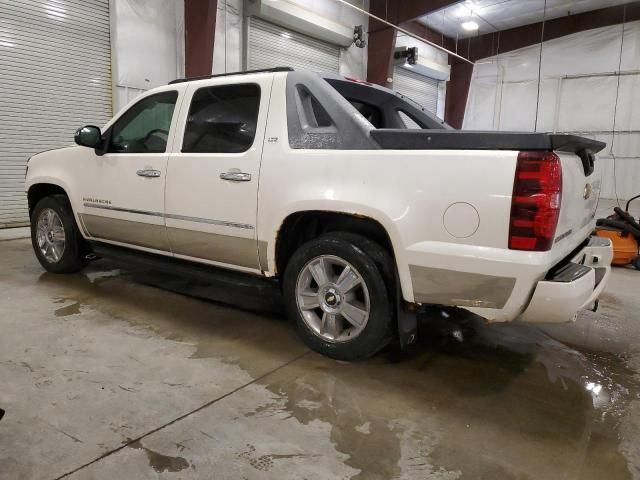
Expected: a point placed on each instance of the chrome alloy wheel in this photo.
(333, 298)
(50, 235)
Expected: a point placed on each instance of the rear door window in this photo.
(222, 119)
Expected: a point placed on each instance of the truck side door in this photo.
(212, 180)
(123, 189)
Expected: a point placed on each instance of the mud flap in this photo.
(407, 320)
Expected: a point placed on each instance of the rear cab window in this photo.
(334, 113)
(384, 108)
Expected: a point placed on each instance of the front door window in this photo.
(144, 128)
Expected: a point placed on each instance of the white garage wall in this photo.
(578, 90)
(228, 46)
(147, 39)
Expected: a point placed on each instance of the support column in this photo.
(199, 33)
(457, 92)
(381, 45)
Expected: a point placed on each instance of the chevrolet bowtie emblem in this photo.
(588, 190)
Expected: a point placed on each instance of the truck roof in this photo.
(204, 77)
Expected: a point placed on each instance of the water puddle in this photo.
(470, 400)
(159, 462)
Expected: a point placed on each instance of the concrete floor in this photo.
(104, 377)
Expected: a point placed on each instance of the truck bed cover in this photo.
(403, 139)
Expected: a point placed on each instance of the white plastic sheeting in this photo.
(579, 87)
(148, 41)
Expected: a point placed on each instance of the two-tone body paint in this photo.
(197, 216)
(408, 192)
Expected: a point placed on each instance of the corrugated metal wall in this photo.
(55, 76)
(420, 89)
(270, 45)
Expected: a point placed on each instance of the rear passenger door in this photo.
(212, 178)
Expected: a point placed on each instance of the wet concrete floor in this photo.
(103, 376)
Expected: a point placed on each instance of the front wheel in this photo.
(339, 297)
(55, 237)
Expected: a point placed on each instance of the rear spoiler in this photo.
(404, 139)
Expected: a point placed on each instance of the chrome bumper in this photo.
(575, 286)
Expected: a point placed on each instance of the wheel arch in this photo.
(38, 191)
(301, 226)
(275, 254)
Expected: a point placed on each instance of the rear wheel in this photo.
(55, 237)
(338, 296)
(636, 262)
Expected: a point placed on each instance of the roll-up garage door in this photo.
(269, 45)
(418, 88)
(55, 76)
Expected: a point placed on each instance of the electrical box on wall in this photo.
(301, 20)
(409, 58)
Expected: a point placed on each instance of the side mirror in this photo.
(88, 136)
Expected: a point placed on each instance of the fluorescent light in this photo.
(469, 26)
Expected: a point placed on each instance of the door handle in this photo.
(236, 176)
(150, 173)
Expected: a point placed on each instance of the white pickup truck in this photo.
(365, 206)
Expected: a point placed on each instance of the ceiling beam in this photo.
(411, 9)
(381, 37)
(428, 33)
(402, 11)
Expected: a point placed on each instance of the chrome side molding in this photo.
(171, 215)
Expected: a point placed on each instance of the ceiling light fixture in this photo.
(472, 7)
(470, 26)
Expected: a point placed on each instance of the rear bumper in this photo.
(575, 286)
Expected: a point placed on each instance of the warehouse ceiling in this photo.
(486, 16)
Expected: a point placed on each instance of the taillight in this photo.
(535, 204)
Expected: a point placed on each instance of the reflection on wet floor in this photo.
(161, 463)
(470, 400)
(491, 401)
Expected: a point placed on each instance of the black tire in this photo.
(72, 259)
(636, 262)
(375, 266)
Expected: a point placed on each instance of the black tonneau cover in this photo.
(404, 139)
